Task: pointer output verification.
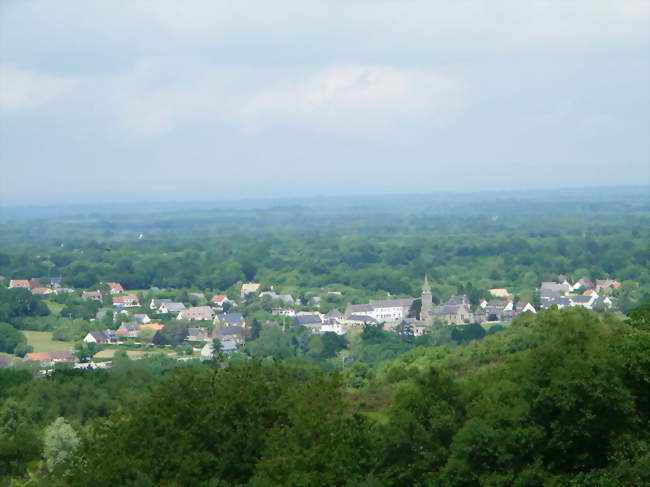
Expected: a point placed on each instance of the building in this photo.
(249, 288)
(92, 295)
(126, 301)
(427, 300)
(115, 287)
(199, 313)
(20, 283)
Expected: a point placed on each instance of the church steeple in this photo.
(426, 299)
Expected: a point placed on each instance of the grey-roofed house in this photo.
(358, 309)
(157, 303)
(359, 319)
(307, 320)
(128, 329)
(231, 319)
(171, 307)
(197, 334)
(458, 299)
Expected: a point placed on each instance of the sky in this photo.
(162, 100)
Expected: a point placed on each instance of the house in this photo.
(285, 298)
(42, 290)
(47, 359)
(458, 300)
(197, 335)
(22, 283)
(220, 300)
(92, 295)
(331, 325)
(391, 310)
(545, 294)
(207, 352)
(606, 285)
(236, 319)
(602, 301)
(452, 314)
(152, 326)
(358, 310)
(126, 301)
(498, 306)
(563, 287)
(560, 302)
(200, 313)
(157, 303)
(523, 306)
(499, 293)
(141, 318)
(360, 319)
(249, 288)
(283, 312)
(307, 320)
(171, 307)
(584, 283)
(106, 336)
(128, 330)
(232, 333)
(115, 287)
(584, 301)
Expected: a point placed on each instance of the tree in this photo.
(10, 339)
(60, 445)
(85, 351)
(174, 333)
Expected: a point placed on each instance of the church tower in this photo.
(427, 302)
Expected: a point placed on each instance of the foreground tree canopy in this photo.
(558, 398)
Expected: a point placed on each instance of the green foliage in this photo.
(12, 340)
(60, 445)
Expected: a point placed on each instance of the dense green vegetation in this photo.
(559, 398)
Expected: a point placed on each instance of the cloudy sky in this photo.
(166, 100)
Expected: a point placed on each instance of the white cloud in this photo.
(25, 90)
(358, 95)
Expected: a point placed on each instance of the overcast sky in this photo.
(174, 100)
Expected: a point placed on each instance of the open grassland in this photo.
(55, 308)
(42, 341)
(132, 354)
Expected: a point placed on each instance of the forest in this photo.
(556, 398)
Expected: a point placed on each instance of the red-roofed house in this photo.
(127, 301)
(50, 358)
(116, 287)
(220, 299)
(94, 295)
(24, 283)
(42, 290)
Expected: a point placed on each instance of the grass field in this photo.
(111, 351)
(55, 308)
(42, 342)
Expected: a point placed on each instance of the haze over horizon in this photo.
(204, 99)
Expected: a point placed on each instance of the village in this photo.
(218, 323)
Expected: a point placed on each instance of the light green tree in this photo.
(60, 444)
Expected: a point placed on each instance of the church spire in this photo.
(425, 286)
(426, 300)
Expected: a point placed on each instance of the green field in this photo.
(55, 308)
(42, 342)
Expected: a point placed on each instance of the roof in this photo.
(302, 320)
(19, 283)
(358, 308)
(56, 355)
(362, 318)
(219, 298)
(153, 326)
(334, 313)
(198, 313)
(229, 330)
(158, 302)
(115, 286)
(231, 317)
(392, 303)
(459, 299)
(250, 287)
(98, 335)
(173, 307)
